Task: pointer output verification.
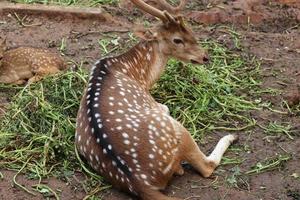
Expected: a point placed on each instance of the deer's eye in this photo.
(177, 41)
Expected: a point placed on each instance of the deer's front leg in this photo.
(34, 79)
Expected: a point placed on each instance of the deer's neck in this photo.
(144, 62)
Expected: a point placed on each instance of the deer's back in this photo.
(119, 117)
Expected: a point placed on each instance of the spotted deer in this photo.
(27, 63)
(124, 134)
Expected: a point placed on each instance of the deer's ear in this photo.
(145, 34)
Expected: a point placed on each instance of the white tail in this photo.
(127, 136)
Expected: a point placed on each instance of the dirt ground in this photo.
(273, 37)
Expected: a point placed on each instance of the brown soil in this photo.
(274, 38)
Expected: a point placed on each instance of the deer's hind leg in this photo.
(190, 152)
(10, 77)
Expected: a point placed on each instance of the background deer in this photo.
(27, 63)
(127, 136)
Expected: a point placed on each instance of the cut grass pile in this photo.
(37, 132)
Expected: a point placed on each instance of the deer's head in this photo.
(175, 38)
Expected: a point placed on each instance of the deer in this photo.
(122, 132)
(27, 64)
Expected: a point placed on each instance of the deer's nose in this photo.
(206, 58)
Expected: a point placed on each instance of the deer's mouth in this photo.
(195, 62)
(204, 60)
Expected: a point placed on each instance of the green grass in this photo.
(37, 132)
(275, 129)
(269, 164)
(87, 3)
(205, 98)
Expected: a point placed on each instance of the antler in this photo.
(151, 10)
(171, 9)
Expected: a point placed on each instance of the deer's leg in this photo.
(41, 72)
(11, 80)
(44, 70)
(205, 165)
(34, 79)
(10, 77)
(179, 170)
(19, 82)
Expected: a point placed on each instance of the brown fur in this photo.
(27, 63)
(125, 135)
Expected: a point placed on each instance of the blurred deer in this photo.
(125, 135)
(27, 63)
